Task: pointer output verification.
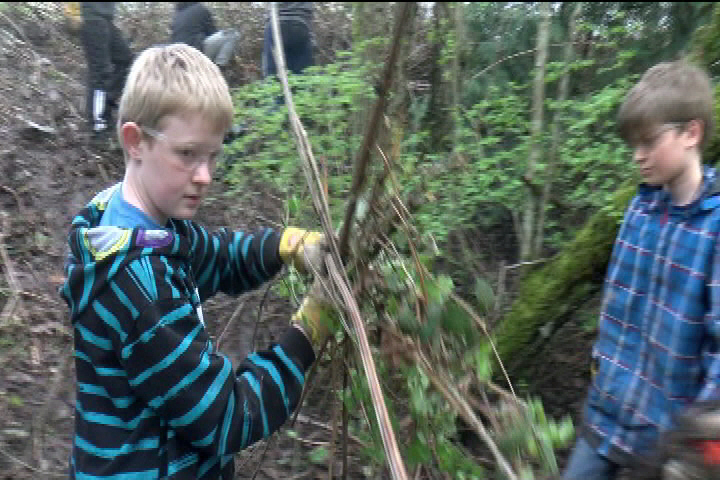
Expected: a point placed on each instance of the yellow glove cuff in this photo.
(315, 319)
(292, 241)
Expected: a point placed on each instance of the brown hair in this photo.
(669, 92)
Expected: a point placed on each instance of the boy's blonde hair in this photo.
(669, 92)
(174, 79)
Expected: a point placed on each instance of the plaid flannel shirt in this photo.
(657, 347)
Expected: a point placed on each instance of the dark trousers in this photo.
(296, 44)
(108, 59)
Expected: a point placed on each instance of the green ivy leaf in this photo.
(319, 455)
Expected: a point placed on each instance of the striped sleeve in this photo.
(171, 364)
(232, 262)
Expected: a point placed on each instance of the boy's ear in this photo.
(694, 132)
(132, 135)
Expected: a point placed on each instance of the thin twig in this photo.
(234, 315)
(524, 52)
(262, 456)
(397, 467)
(476, 318)
(15, 298)
(45, 473)
(305, 419)
(39, 420)
(21, 207)
(308, 383)
(336, 411)
(345, 420)
(526, 264)
(260, 310)
(461, 406)
(405, 224)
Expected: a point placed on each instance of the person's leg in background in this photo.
(212, 44)
(96, 42)
(226, 50)
(121, 58)
(298, 54)
(586, 464)
(297, 45)
(268, 59)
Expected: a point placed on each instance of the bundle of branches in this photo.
(421, 326)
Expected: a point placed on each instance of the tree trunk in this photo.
(536, 130)
(434, 116)
(457, 65)
(556, 134)
(548, 296)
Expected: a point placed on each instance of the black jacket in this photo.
(296, 11)
(191, 24)
(98, 9)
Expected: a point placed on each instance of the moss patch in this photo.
(551, 293)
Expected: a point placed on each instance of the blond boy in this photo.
(154, 397)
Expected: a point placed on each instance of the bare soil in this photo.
(48, 171)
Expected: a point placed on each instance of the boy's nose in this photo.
(202, 174)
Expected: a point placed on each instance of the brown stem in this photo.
(363, 157)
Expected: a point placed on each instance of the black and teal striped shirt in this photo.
(154, 398)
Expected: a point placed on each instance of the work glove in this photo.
(317, 316)
(689, 450)
(693, 444)
(303, 249)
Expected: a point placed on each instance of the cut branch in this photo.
(334, 262)
(363, 157)
(463, 408)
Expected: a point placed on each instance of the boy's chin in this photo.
(185, 214)
(651, 180)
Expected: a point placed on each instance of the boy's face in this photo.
(174, 165)
(663, 153)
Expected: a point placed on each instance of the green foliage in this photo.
(705, 43)
(529, 432)
(329, 101)
(483, 176)
(706, 53)
(319, 455)
(448, 333)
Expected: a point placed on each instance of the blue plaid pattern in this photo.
(657, 347)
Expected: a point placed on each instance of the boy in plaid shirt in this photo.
(658, 344)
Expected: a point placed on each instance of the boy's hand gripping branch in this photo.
(317, 316)
(303, 249)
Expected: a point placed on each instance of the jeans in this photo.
(296, 44)
(586, 464)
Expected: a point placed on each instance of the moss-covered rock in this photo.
(551, 293)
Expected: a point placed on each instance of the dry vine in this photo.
(334, 260)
